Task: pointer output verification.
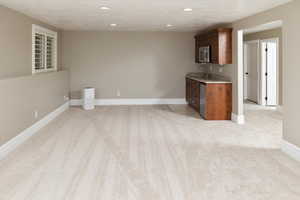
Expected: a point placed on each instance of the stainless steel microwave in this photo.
(204, 54)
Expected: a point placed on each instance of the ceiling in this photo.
(139, 15)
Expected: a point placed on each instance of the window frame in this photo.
(36, 29)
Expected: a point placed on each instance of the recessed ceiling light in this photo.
(169, 25)
(104, 8)
(113, 24)
(187, 9)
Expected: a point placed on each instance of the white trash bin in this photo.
(88, 96)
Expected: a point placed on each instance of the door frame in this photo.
(238, 114)
(262, 71)
(258, 67)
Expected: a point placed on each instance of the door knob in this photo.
(247, 73)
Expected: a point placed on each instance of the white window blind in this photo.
(50, 50)
(44, 48)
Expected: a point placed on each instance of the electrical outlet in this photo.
(221, 69)
(36, 114)
(211, 68)
(118, 93)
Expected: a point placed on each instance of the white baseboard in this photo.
(102, 102)
(76, 102)
(12, 144)
(239, 119)
(291, 150)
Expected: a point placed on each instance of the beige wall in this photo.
(274, 33)
(16, 43)
(139, 64)
(21, 92)
(290, 15)
(21, 96)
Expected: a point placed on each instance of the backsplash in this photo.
(221, 70)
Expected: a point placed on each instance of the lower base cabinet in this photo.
(193, 93)
(212, 100)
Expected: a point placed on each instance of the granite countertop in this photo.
(207, 78)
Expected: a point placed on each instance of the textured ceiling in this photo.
(142, 15)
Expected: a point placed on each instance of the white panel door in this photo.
(251, 55)
(271, 71)
(245, 72)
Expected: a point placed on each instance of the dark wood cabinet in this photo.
(218, 102)
(188, 95)
(193, 93)
(220, 43)
(212, 100)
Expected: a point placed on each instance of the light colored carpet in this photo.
(152, 153)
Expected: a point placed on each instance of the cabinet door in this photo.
(218, 102)
(195, 95)
(214, 46)
(225, 46)
(188, 90)
(197, 45)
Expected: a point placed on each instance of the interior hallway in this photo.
(152, 152)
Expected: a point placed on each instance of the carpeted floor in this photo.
(152, 153)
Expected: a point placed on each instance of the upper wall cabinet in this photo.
(214, 47)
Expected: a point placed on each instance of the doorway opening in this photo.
(259, 68)
(261, 71)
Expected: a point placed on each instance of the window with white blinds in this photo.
(44, 50)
